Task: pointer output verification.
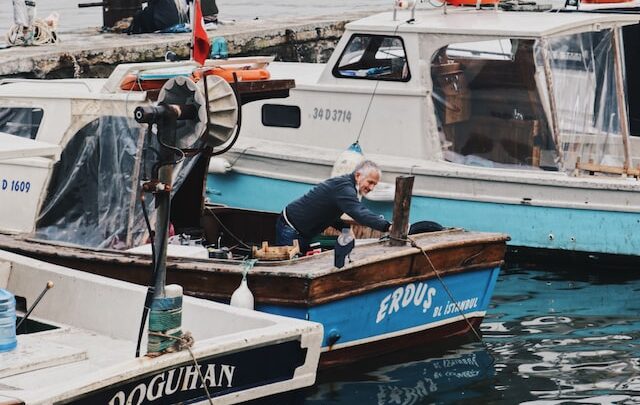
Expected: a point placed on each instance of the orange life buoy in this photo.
(242, 74)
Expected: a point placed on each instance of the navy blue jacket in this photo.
(323, 205)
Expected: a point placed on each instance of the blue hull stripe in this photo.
(579, 230)
(403, 309)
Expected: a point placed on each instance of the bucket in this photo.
(7, 321)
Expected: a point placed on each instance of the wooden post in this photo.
(401, 206)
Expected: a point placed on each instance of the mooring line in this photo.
(444, 285)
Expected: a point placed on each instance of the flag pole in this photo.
(192, 17)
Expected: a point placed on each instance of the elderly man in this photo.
(323, 205)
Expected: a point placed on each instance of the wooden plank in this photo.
(594, 167)
(401, 208)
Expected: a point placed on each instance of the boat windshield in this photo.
(547, 104)
(373, 57)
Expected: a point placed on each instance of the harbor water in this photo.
(550, 337)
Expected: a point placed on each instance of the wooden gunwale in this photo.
(302, 283)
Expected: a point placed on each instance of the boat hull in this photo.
(381, 321)
(567, 228)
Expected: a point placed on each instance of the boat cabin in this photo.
(482, 88)
(72, 157)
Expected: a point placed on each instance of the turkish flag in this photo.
(201, 44)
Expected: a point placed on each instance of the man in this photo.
(323, 205)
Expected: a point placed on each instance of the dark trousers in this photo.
(285, 235)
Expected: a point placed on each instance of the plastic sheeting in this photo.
(93, 197)
(496, 102)
(584, 90)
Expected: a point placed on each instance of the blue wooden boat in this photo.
(388, 298)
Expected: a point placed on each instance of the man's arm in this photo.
(348, 202)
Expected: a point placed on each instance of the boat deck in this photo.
(72, 351)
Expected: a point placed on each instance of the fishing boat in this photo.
(78, 345)
(74, 192)
(515, 122)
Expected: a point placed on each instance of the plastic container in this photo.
(219, 48)
(344, 246)
(7, 321)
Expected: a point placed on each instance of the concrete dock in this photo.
(91, 53)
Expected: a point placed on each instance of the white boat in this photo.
(514, 122)
(79, 345)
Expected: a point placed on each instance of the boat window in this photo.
(21, 121)
(373, 57)
(278, 115)
(488, 110)
(583, 89)
(500, 49)
(546, 104)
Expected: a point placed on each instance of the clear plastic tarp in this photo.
(93, 198)
(496, 102)
(583, 83)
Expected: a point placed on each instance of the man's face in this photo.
(366, 183)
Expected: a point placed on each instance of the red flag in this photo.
(201, 44)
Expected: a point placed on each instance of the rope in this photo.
(437, 273)
(227, 229)
(39, 33)
(185, 341)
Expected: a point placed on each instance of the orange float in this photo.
(132, 82)
(227, 74)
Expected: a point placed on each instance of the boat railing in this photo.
(40, 81)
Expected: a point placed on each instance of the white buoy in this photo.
(242, 296)
(219, 165)
(348, 160)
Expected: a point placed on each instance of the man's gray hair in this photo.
(367, 166)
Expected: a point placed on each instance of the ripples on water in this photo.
(551, 338)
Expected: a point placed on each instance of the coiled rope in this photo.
(185, 341)
(39, 33)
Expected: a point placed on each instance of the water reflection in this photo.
(443, 379)
(558, 337)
